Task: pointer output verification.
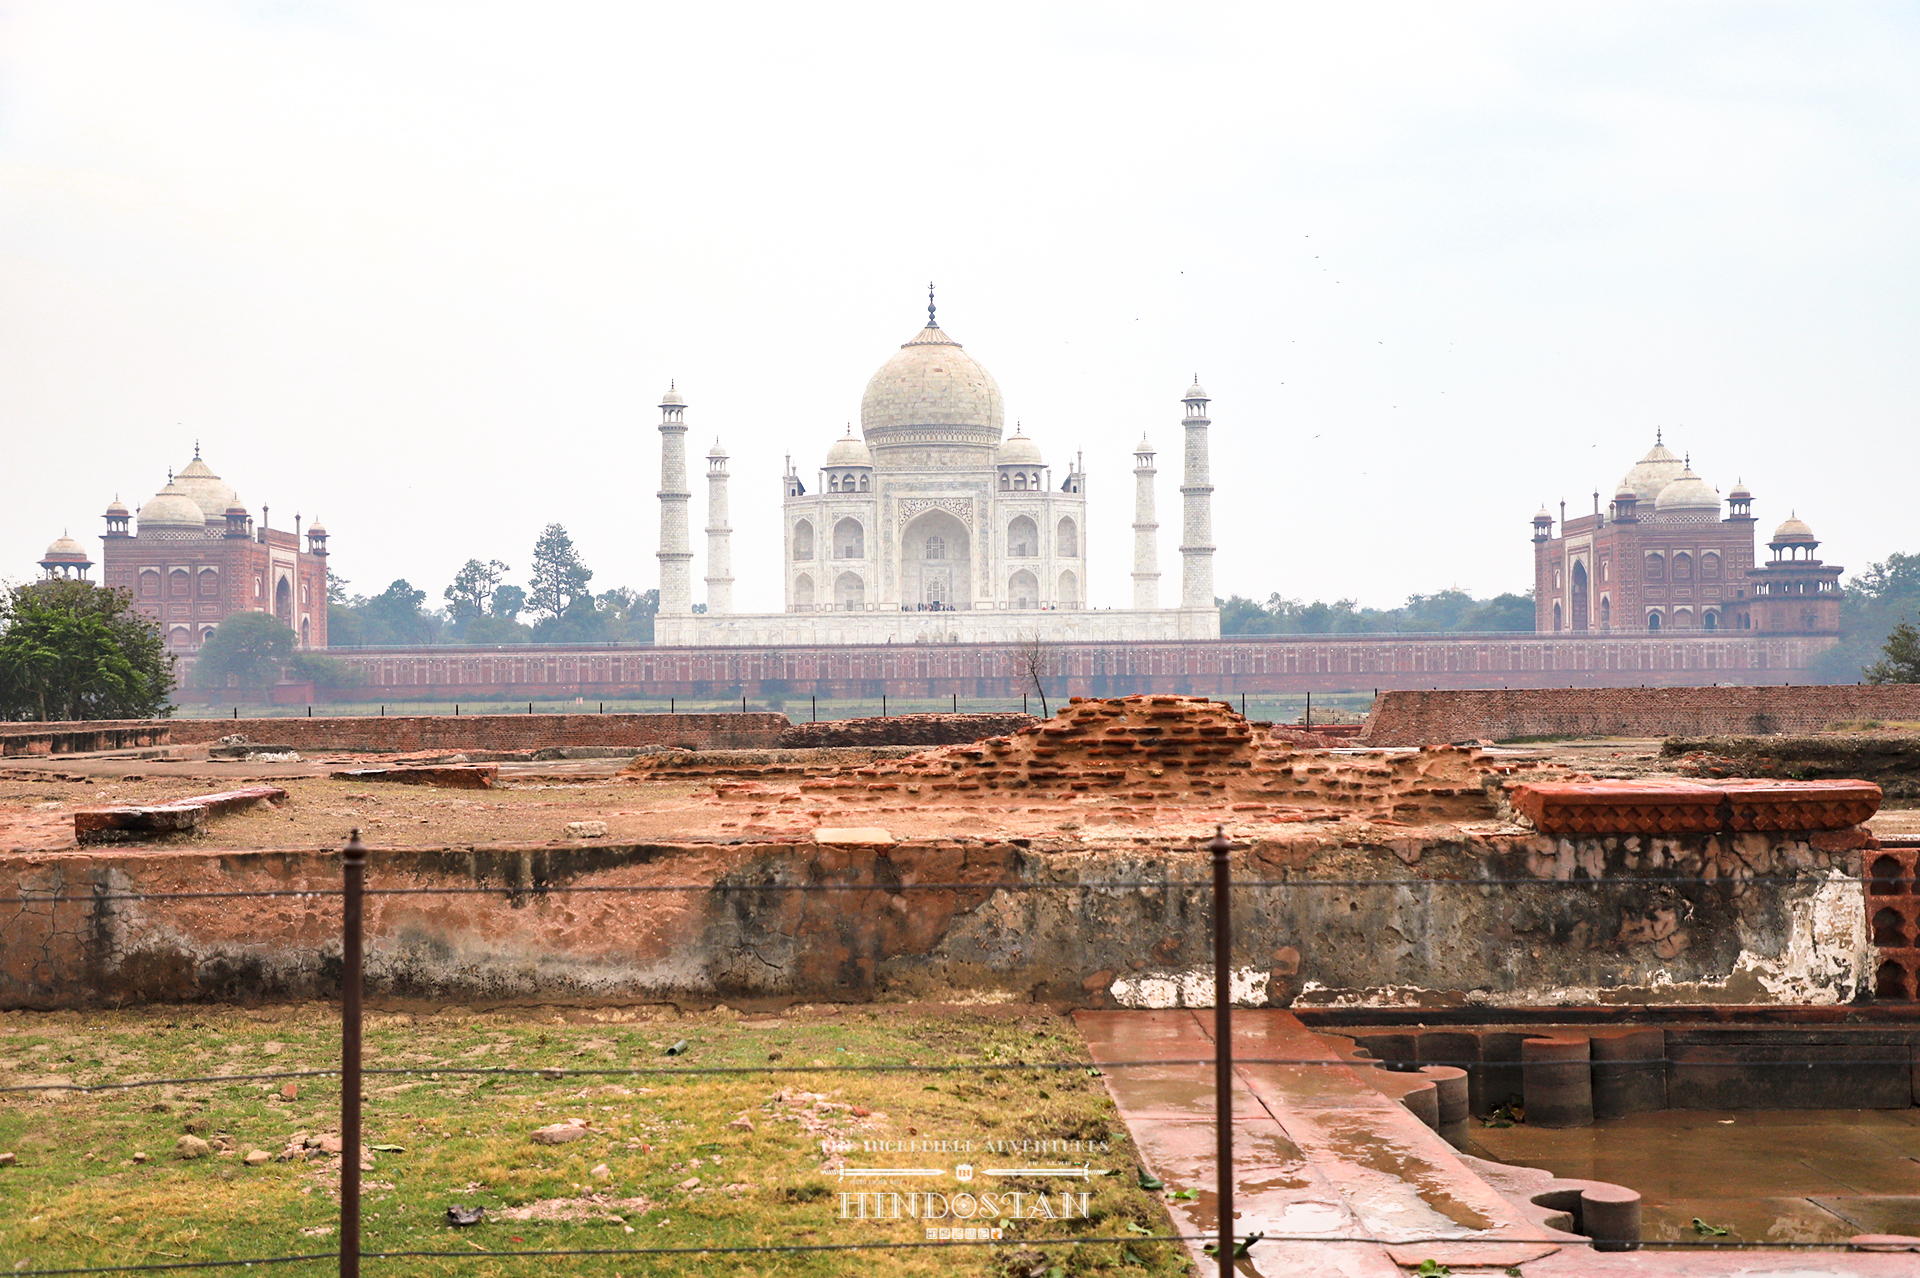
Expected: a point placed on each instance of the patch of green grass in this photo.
(77, 1196)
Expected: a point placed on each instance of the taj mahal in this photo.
(933, 526)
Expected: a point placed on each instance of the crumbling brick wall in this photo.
(903, 729)
(1170, 750)
(1507, 714)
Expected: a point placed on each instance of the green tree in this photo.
(1901, 664)
(1872, 603)
(509, 602)
(633, 611)
(323, 671)
(472, 589)
(394, 616)
(1451, 610)
(559, 578)
(74, 650)
(248, 649)
(496, 630)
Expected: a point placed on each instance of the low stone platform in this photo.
(448, 776)
(1678, 806)
(129, 822)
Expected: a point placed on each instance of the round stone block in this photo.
(1557, 1081)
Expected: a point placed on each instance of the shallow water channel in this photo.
(1762, 1175)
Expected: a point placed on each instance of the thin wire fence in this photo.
(354, 892)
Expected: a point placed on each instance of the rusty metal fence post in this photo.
(1223, 1039)
(353, 862)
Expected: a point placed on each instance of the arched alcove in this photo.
(936, 569)
(803, 540)
(849, 540)
(1066, 540)
(1023, 538)
(850, 593)
(1023, 590)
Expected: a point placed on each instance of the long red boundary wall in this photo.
(1281, 663)
(1501, 714)
(755, 730)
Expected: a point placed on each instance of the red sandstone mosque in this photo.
(193, 556)
(1665, 556)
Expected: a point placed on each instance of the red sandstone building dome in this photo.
(1662, 556)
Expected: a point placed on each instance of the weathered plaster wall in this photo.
(1320, 943)
(1507, 714)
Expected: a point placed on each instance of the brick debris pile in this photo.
(1139, 756)
(903, 730)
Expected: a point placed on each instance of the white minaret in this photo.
(1146, 530)
(676, 551)
(719, 535)
(1196, 514)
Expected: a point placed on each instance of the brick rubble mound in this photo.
(1137, 756)
(903, 729)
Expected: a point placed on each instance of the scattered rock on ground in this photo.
(191, 1147)
(257, 1158)
(560, 1133)
(586, 829)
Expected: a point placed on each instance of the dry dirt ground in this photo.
(535, 802)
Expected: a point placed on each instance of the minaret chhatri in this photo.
(676, 551)
(1146, 530)
(719, 535)
(1196, 514)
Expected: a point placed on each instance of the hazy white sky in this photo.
(424, 269)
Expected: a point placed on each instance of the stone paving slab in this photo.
(1323, 1158)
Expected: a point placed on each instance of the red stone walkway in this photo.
(1323, 1156)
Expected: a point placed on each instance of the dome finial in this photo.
(931, 321)
(1659, 435)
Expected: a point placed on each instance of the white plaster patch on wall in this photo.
(1192, 988)
(1828, 955)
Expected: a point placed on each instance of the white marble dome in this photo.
(932, 382)
(173, 510)
(1687, 493)
(208, 491)
(1018, 450)
(1653, 472)
(1793, 532)
(848, 451)
(66, 550)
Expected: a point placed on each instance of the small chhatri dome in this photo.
(849, 451)
(1653, 472)
(171, 508)
(1793, 532)
(672, 397)
(1688, 492)
(1195, 391)
(1543, 516)
(1739, 492)
(717, 452)
(1018, 450)
(65, 550)
(1146, 445)
(116, 507)
(316, 528)
(1626, 493)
